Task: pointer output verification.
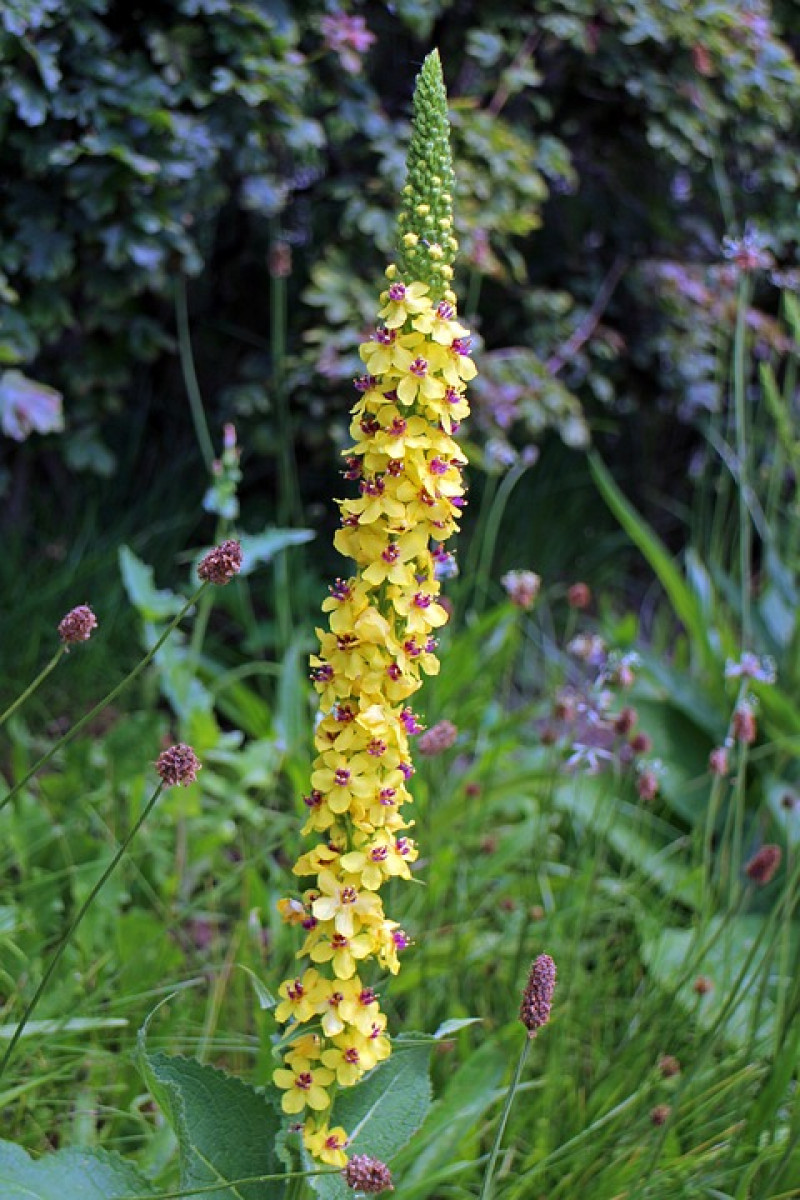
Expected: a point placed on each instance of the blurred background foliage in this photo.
(208, 188)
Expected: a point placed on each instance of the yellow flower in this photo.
(380, 858)
(303, 1085)
(299, 997)
(402, 301)
(326, 1144)
(343, 904)
(417, 381)
(342, 952)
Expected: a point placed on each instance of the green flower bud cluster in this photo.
(427, 246)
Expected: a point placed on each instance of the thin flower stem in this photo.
(112, 695)
(31, 688)
(486, 1190)
(190, 375)
(67, 938)
(742, 452)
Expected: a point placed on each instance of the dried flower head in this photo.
(365, 1174)
(660, 1114)
(522, 587)
(178, 765)
(579, 595)
(77, 625)
(763, 865)
(668, 1065)
(222, 563)
(538, 994)
(438, 738)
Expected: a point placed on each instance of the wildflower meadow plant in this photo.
(378, 644)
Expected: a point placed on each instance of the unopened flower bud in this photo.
(437, 739)
(744, 725)
(718, 763)
(579, 595)
(178, 765)
(763, 865)
(222, 563)
(365, 1174)
(77, 625)
(538, 994)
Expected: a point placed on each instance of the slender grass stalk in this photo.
(742, 454)
(190, 375)
(98, 708)
(73, 926)
(31, 688)
(782, 911)
(289, 502)
(488, 541)
(488, 1179)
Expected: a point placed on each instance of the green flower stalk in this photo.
(379, 643)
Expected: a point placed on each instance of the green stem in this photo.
(31, 688)
(67, 938)
(112, 695)
(493, 522)
(488, 1178)
(740, 420)
(190, 375)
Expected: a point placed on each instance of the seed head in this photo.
(178, 765)
(77, 625)
(438, 738)
(660, 1114)
(763, 865)
(538, 994)
(222, 563)
(579, 595)
(702, 985)
(365, 1174)
(668, 1065)
(745, 729)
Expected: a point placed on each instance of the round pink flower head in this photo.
(222, 563)
(178, 765)
(437, 739)
(77, 625)
(763, 865)
(538, 995)
(365, 1174)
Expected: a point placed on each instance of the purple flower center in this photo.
(386, 796)
(348, 895)
(365, 382)
(384, 337)
(460, 346)
(377, 747)
(391, 553)
(340, 589)
(437, 466)
(341, 777)
(419, 367)
(445, 310)
(379, 853)
(397, 292)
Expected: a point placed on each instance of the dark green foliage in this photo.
(601, 156)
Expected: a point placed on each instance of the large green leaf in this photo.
(383, 1112)
(151, 603)
(226, 1130)
(68, 1175)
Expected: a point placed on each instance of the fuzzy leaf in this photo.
(226, 1130)
(68, 1175)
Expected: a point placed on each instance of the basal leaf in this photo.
(226, 1130)
(68, 1175)
(153, 604)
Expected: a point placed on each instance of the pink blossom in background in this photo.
(348, 37)
(28, 407)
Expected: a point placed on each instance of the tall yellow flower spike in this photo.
(379, 643)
